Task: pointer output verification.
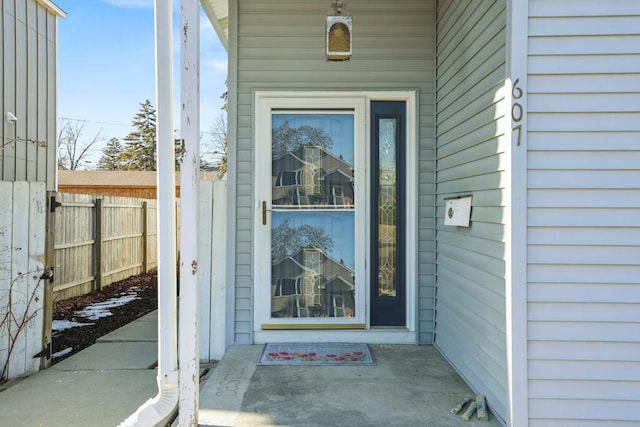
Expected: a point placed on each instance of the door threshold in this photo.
(394, 335)
(389, 328)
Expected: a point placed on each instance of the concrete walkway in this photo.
(105, 383)
(99, 386)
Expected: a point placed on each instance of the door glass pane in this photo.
(387, 203)
(312, 220)
(312, 161)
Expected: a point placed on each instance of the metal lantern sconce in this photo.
(339, 26)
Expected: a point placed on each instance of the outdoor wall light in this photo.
(339, 26)
(11, 118)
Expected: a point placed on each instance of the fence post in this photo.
(97, 252)
(145, 237)
(49, 262)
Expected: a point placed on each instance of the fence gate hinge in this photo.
(47, 275)
(53, 204)
(46, 352)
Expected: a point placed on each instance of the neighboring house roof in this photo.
(51, 6)
(338, 164)
(338, 265)
(116, 183)
(218, 13)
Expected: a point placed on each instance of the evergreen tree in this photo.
(140, 145)
(110, 159)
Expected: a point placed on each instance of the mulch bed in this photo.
(144, 286)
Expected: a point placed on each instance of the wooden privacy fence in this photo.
(100, 240)
(90, 242)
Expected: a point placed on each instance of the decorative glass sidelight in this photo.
(312, 221)
(387, 206)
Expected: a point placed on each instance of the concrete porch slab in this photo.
(105, 383)
(410, 385)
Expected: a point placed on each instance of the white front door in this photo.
(313, 213)
(311, 222)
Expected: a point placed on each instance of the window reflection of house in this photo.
(312, 284)
(311, 175)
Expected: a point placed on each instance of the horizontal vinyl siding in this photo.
(281, 46)
(470, 299)
(584, 213)
(27, 49)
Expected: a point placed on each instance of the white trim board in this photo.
(516, 239)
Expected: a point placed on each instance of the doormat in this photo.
(309, 354)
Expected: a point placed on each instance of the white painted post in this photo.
(189, 356)
(219, 271)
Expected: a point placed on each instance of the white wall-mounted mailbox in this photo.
(458, 211)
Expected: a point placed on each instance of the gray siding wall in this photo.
(280, 45)
(28, 53)
(470, 298)
(584, 213)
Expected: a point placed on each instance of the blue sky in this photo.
(106, 66)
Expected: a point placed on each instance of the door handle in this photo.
(264, 212)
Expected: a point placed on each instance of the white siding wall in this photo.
(280, 45)
(28, 54)
(584, 213)
(470, 299)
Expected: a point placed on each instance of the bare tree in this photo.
(14, 321)
(287, 240)
(73, 147)
(286, 139)
(214, 147)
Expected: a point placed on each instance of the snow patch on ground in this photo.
(102, 309)
(62, 352)
(61, 325)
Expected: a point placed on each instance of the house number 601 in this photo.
(517, 111)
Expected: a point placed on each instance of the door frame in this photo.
(264, 102)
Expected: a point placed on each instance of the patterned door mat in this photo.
(316, 354)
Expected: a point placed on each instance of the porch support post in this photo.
(188, 353)
(516, 246)
(160, 409)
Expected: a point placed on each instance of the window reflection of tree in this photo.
(306, 281)
(310, 283)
